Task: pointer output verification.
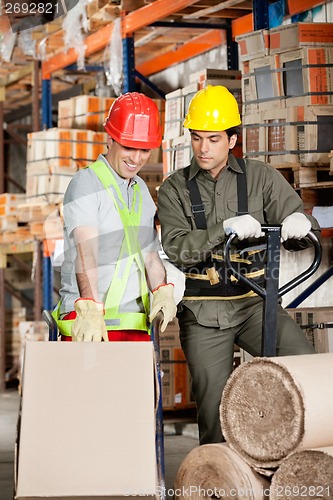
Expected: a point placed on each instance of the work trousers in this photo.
(210, 351)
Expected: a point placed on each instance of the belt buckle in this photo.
(213, 276)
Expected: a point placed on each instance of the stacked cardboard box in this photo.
(176, 383)
(287, 78)
(176, 141)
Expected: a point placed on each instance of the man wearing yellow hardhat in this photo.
(198, 207)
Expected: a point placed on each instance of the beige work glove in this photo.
(296, 225)
(89, 324)
(163, 300)
(245, 226)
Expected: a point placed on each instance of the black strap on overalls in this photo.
(198, 208)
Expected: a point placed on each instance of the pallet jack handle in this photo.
(272, 292)
(155, 336)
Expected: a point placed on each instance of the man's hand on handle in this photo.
(296, 226)
(245, 226)
(163, 300)
(89, 325)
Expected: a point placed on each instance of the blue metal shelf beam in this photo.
(260, 14)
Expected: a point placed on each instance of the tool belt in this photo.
(213, 279)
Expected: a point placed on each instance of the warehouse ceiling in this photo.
(43, 39)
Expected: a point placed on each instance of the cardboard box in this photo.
(215, 74)
(254, 145)
(314, 126)
(188, 93)
(46, 187)
(307, 76)
(249, 105)
(66, 113)
(266, 84)
(173, 114)
(253, 44)
(87, 423)
(182, 152)
(297, 35)
(317, 325)
(302, 134)
(170, 336)
(175, 378)
(177, 153)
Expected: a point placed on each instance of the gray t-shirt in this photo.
(88, 203)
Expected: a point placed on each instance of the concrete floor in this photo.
(180, 437)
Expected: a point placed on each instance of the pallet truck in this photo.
(271, 293)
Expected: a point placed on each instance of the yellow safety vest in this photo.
(130, 252)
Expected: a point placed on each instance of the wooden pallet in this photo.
(312, 175)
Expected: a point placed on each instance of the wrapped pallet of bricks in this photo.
(9, 217)
(9, 203)
(53, 157)
(84, 112)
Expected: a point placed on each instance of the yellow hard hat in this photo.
(213, 108)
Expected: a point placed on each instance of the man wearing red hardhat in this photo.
(198, 207)
(111, 259)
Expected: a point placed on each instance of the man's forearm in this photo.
(155, 271)
(86, 269)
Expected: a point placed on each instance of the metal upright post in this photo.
(128, 64)
(232, 49)
(260, 14)
(47, 264)
(47, 284)
(269, 334)
(2, 270)
(46, 104)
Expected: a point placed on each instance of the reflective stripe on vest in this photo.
(130, 252)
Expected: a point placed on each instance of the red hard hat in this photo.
(134, 121)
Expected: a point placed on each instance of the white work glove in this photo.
(245, 226)
(163, 300)
(296, 225)
(89, 324)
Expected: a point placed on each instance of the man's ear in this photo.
(109, 141)
(232, 141)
